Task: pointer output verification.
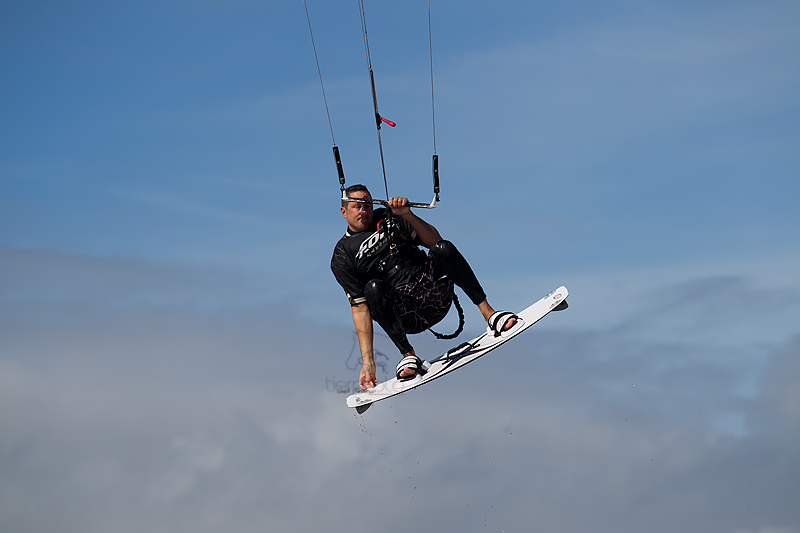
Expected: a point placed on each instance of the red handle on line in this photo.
(389, 122)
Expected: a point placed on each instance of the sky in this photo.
(175, 353)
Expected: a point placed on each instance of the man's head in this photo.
(358, 215)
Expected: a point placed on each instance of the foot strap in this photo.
(414, 363)
(498, 321)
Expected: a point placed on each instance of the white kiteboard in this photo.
(462, 354)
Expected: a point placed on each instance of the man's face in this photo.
(358, 215)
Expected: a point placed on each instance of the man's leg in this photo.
(386, 315)
(447, 260)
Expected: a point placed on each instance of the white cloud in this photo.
(167, 418)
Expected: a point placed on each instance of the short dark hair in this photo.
(355, 188)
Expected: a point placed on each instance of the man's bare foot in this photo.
(487, 311)
(408, 372)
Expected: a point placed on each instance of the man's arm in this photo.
(362, 320)
(427, 233)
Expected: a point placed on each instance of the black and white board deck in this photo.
(462, 354)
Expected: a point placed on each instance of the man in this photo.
(389, 279)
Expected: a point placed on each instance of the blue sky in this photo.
(170, 330)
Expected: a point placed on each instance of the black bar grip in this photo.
(339, 168)
(436, 176)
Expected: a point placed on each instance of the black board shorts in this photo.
(424, 301)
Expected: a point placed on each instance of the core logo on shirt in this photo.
(368, 247)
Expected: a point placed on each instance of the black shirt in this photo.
(361, 257)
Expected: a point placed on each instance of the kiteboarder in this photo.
(387, 278)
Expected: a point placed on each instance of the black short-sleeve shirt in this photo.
(361, 257)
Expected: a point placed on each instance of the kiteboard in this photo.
(462, 354)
